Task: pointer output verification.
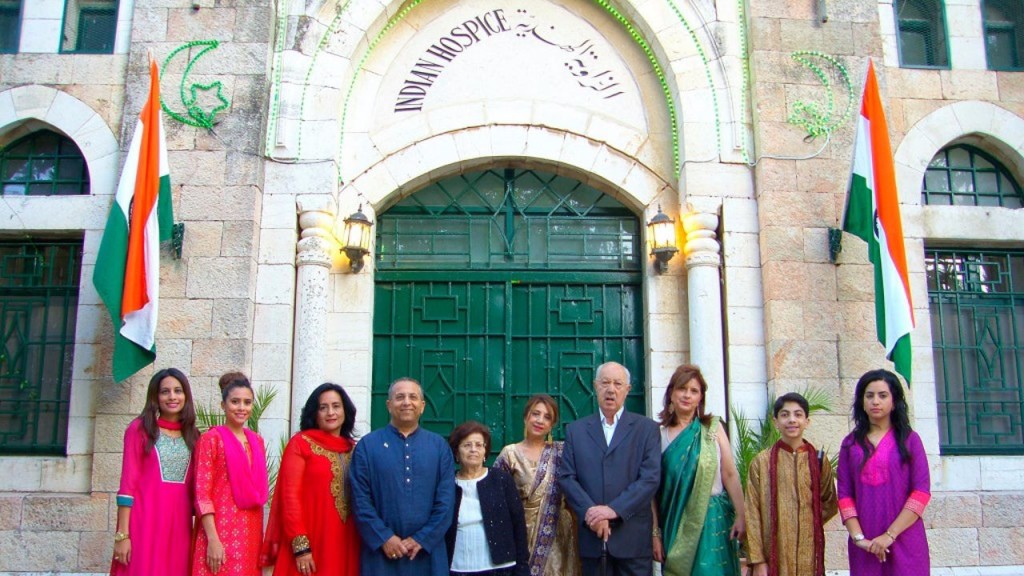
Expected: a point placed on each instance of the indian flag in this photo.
(873, 214)
(127, 275)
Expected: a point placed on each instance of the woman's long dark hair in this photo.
(899, 419)
(151, 411)
(307, 420)
(683, 374)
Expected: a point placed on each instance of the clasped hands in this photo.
(598, 519)
(878, 546)
(395, 548)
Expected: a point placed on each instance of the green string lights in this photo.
(392, 22)
(707, 74)
(741, 12)
(194, 114)
(275, 80)
(312, 63)
(812, 116)
(669, 100)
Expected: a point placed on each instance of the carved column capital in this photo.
(702, 247)
(316, 239)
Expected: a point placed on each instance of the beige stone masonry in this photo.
(232, 318)
(953, 546)
(221, 278)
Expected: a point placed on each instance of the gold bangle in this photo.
(120, 536)
(656, 532)
(890, 535)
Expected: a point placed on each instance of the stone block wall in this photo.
(819, 316)
(59, 514)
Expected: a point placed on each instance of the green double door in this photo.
(467, 304)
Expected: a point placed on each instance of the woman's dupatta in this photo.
(248, 477)
(688, 467)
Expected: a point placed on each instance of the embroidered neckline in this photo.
(339, 469)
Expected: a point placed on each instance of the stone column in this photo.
(704, 295)
(313, 262)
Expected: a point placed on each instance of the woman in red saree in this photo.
(311, 528)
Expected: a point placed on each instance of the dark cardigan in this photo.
(504, 522)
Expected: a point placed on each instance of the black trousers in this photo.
(618, 566)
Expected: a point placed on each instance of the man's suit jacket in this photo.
(623, 475)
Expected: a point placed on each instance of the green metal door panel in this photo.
(562, 332)
(451, 337)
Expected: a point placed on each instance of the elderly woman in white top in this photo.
(488, 532)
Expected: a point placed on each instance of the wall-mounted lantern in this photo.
(355, 241)
(661, 231)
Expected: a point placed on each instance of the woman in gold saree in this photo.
(700, 503)
(533, 463)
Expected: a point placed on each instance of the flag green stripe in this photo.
(901, 356)
(108, 279)
(859, 210)
(164, 213)
(875, 256)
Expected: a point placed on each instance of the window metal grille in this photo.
(1004, 34)
(90, 26)
(963, 175)
(10, 26)
(509, 219)
(43, 163)
(38, 307)
(977, 312)
(921, 26)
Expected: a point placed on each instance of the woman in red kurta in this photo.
(231, 488)
(311, 527)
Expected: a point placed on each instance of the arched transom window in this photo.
(963, 175)
(44, 163)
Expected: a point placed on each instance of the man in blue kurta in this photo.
(403, 491)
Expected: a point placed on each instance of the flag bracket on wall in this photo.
(835, 244)
(177, 239)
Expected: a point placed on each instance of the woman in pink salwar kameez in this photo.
(883, 483)
(154, 501)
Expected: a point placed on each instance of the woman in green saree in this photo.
(700, 503)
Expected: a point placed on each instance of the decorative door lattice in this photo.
(494, 286)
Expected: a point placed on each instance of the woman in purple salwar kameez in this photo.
(883, 483)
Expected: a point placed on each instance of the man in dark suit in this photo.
(611, 467)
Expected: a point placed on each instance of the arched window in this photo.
(922, 33)
(43, 163)
(963, 175)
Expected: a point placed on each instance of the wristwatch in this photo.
(858, 537)
(120, 536)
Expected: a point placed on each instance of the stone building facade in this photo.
(733, 118)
